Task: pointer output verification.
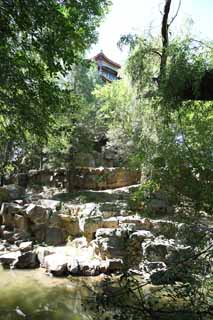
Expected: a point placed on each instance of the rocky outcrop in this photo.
(80, 178)
(87, 239)
(104, 178)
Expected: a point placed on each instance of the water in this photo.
(33, 295)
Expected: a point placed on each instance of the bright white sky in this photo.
(137, 16)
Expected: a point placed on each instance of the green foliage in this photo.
(119, 115)
(175, 146)
(38, 40)
(187, 64)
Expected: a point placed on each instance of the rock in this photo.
(21, 223)
(8, 235)
(159, 206)
(42, 252)
(144, 224)
(8, 211)
(141, 235)
(180, 254)
(117, 208)
(80, 242)
(4, 195)
(157, 250)
(114, 265)
(56, 264)
(54, 205)
(84, 267)
(163, 277)
(38, 232)
(111, 243)
(134, 246)
(20, 202)
(26, 246)
(104, 178)
(37, 214)
(27, 260)
(110, 223)
(14, 191)
(8, 258)
(165, 227)
(103, 232)
(89, 225)
(73, 267)
(55, 236)
(2, 247)
(70, 224)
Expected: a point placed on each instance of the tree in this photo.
(38, 40)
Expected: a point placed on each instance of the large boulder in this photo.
(37, 214)
(27, 260)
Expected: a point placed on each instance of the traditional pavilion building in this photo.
(108, 69)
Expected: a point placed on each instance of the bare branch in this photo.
(175, 16)
(157, 52)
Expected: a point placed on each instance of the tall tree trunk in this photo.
(165, 37)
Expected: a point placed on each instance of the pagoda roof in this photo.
(102, 56)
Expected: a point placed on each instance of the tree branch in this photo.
(178, 9)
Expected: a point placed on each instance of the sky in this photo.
(139, 16)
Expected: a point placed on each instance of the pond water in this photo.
(33, 295)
